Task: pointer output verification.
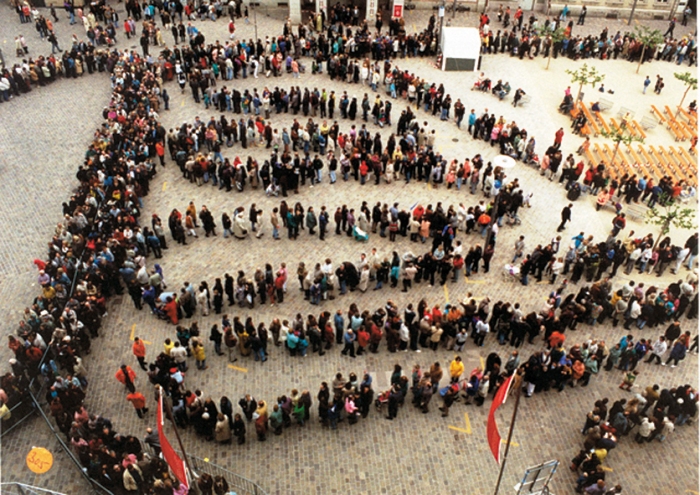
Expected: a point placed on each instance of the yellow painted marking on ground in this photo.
(238, 368)
(687, 491)
(467, 426)
(457, 429)
(133, 334)
(165, 184)
(513, 444)
(541, 282)
(474, 281)
(481, 362)
(183, 103)
(447, 293)
(609, 469)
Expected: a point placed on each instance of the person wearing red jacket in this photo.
(139, 402)
(362, 340)
(139, 350)
(126, 376)
(160, 151)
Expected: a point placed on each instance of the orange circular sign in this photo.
(39, 460)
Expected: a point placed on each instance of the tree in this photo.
(622, 135)
(649, 38)
(557, 37)
(688, 80)
(671, 214)
(584, 76)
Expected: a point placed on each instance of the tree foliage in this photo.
(649, 38)
(585, 75)
(670, 214)
(689, 81)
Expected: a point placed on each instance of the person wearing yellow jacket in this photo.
(456, 369)
(199, 355)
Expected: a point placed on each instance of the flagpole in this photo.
(510, 436)
(169, 414)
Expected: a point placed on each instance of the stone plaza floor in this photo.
(43, 137)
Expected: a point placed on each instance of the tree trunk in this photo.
(680, 105)
(549, 59)
(664, 230)
(644, 49)
(580, 88)
(617, 147)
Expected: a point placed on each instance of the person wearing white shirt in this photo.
(645, 258)
(658, 350)
(179, 355)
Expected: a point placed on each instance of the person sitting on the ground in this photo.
(497, 88)
(504, 91)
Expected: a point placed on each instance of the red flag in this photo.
(176, 464)
(492, 434)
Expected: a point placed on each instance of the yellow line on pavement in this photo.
(183, 103)
(469, 425)
(481, 362)
(461, 430)
(475, 281)
(447, 293)
(133, 334)
(609, 469)
(165, 184)
(237, 368)
(513, 444)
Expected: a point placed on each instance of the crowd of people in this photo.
(100, 244)
(351, 398)
(81, 271)
(529, 37)
(604, 428)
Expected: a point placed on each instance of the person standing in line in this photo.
(565, 217)
(647, 82)
(349, 340)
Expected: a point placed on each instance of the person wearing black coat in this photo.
(239, 428)
(249, 406)
(207, 221)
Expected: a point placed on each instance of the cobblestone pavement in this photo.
(417, 453)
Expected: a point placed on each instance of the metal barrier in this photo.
(15, 420)
(15, 488)
(236, 482)
(96, 487)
